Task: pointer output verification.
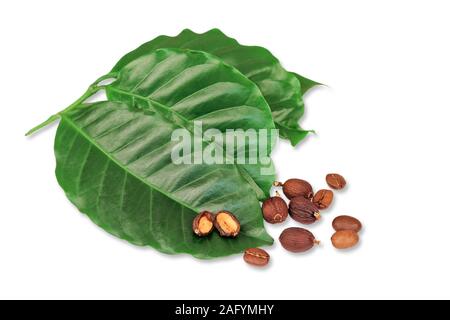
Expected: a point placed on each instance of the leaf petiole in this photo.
(93, 88)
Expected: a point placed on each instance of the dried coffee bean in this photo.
(303, 210)
(344, 239)
(256, 257)
(336, 181)
(274, 209)
(296, 188)
(346, 223)
(203, 223)
(323, 198)
(227, 224)
(297, 239)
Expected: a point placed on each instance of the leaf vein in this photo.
(111, 130)
(221, 110)
(174, 77)
(82, 167)
(196, 180)
(117, 163)
(148, 74)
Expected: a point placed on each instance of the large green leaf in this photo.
(281, 89)
(190, 86)
(114, 164)
(114, 157)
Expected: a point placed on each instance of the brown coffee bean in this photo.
(303, 210)
(297, 239)
(344, 239)
(346, 223)
(323, 198)
(335, 181)
(275, 209)
(203, 223)
(227, 224)
(256, 257)
(296, 188)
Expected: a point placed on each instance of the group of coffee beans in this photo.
(304, 207)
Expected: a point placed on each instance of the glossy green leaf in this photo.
(114, 157)
(281, 89)
(306, 83)
(193, 86)
(114, 164)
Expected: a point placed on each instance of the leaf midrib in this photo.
(242, 171)
(115, 161)
(80, 131)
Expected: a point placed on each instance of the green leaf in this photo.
(281, 89)
(114, 164)
(114, 158)
(306, 83)
(190, 86)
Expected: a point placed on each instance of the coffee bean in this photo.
(344, 239)
(335, 181)
(346, 223)
(323, 198)
(274, 209)
(296, 188)
(256, 257)
(303, 210)
(297, 239)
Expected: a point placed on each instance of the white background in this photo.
(383, 123)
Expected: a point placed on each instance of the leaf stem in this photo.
(93, 88)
